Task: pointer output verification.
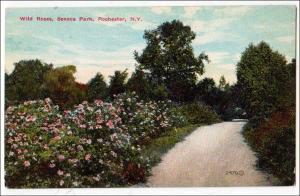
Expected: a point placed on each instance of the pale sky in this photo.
(221, 32)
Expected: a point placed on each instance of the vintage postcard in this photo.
(144, 96)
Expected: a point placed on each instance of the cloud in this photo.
(213, 37)
(232, 11)
(219, 29)
(220, 65)
(210, 72)
(210, 25)
(87, 61)
(236, 57)
(216, 30)
(218, 57)
(286, 39)
(189, 12)
(144, 25)
(161, 10)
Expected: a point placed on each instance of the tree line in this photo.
(166, 69)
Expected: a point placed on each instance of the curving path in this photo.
(214, 155)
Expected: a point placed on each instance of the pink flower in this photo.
(110, 124)
(67, 112)
(82, 126)
(26, 163)
(48, 100)
(60, 172)
(72, 161)
(10, 140)
(87, 157)
(61, 157)
(89, 141)
(51, 165)
(113, 136)
(30, 118)
(98, 102)
(79, 147)
(21, 113)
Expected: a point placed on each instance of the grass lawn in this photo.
(161, 145)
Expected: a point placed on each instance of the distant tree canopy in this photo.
(170, 60)
(263, 80)
(33, 79)
(206, 91)
(221, 98)
(26, 80)
(61, 86)
(97, 88)
(223, 85)
(117, 83)
(167, 69)
(139, 83)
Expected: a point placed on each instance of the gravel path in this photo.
(214, 155)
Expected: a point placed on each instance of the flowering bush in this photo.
(94, 145)
(146, 120)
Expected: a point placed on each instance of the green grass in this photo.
(161, 145)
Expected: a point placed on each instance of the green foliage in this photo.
(97, 88)
(267, 89)
(262, 77)
(274, 142)
(140, 84)
(26, 81)
(198, 113)
(117, 83)
(223, 85)
(170, 60)
(222, 98)
(206, 91)
(159, 92)
(61, 87)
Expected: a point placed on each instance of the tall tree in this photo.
(170, 59)
(62, 88)
(206, 91)
(223, 85)
(139, 83)
(117, 83)
(97, 88)
(26, 80)
(262, 76)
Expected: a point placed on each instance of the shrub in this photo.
(146, 120)
(93, 145)
(197, 113)
(274, 142)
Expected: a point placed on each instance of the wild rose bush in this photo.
(94, 145)
(146, 120)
